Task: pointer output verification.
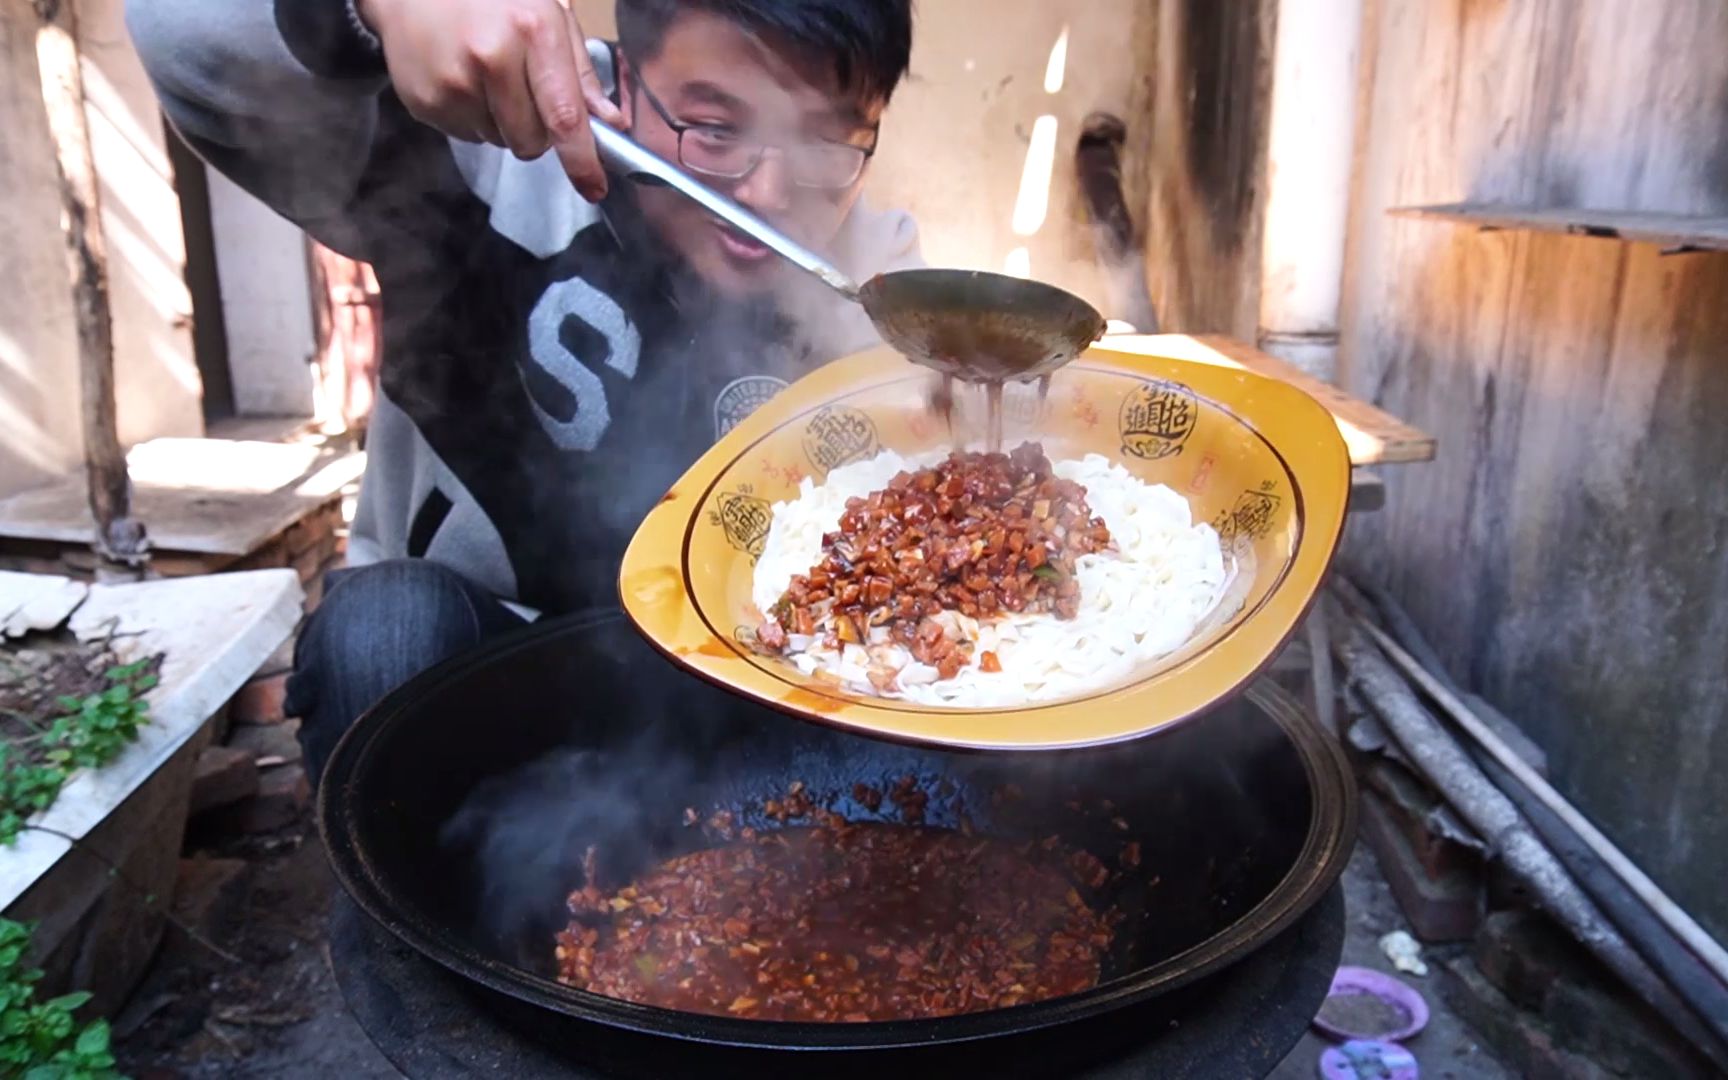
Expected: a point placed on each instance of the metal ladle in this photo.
(967, 324)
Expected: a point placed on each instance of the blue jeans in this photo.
(377, 627)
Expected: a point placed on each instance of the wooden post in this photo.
(346, 307)
(120, 541)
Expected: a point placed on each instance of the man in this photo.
(557, 347)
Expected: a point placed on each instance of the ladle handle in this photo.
(631, 159)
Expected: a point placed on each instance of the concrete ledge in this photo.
(214, 633)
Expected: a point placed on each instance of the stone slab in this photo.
(37, 602)
(224, 776)
(268, 744)
(98, 912)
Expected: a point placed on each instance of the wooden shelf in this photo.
(1675, 232)
(1373, 436)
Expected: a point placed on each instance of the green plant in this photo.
(91, 731)
(41, 1040)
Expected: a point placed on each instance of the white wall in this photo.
(155, 372)
(156, 377)
(956, 139)
(264, 271)
(38, 353)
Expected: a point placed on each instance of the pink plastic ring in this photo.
(1399, 999)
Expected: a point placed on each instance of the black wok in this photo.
(457, 811)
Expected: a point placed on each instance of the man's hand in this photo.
(513, 73)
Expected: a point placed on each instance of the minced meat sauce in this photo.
(843, 922)
(982, 534)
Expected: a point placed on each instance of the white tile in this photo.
(36, 601)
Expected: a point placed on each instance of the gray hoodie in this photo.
(547, 373)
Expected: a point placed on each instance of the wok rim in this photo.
(1326, 848)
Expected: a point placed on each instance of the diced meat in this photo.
(843, 922)
(771, 635)
(979, 534)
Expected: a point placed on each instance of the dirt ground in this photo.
(272, 1009)
(275, 1013)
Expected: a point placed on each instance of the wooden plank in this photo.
(201, 496)
(213, 633)
(1609, 639)
(182, 519)
(1367, 491)
(1675, 232)
(155, 373)
(1417, 299)
(1373, 436)
(155, 381)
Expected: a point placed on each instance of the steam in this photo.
(1210, 813)
(526, 832)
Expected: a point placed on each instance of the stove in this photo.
(1238, 1023)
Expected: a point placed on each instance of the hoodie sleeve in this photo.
(281, 96)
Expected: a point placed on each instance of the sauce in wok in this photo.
(844, 922)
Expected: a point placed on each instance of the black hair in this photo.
(868, 42)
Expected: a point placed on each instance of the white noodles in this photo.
(1138, 602)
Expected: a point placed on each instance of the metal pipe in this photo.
(1675, 918)
(1445, 764)
(1310, 146)
(1690, 977)
(643, 165)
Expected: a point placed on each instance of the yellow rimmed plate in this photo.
(1258, 459)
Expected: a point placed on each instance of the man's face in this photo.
(738, 89)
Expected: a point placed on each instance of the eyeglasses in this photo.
(726, 154)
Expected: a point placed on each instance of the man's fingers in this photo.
(470, 124)
(563, 108)
(598, 103)
(516, 112)
(498, 51)
(486, 131)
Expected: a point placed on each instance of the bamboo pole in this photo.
(120, 541)
(1445, 764)
(1672, 915)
